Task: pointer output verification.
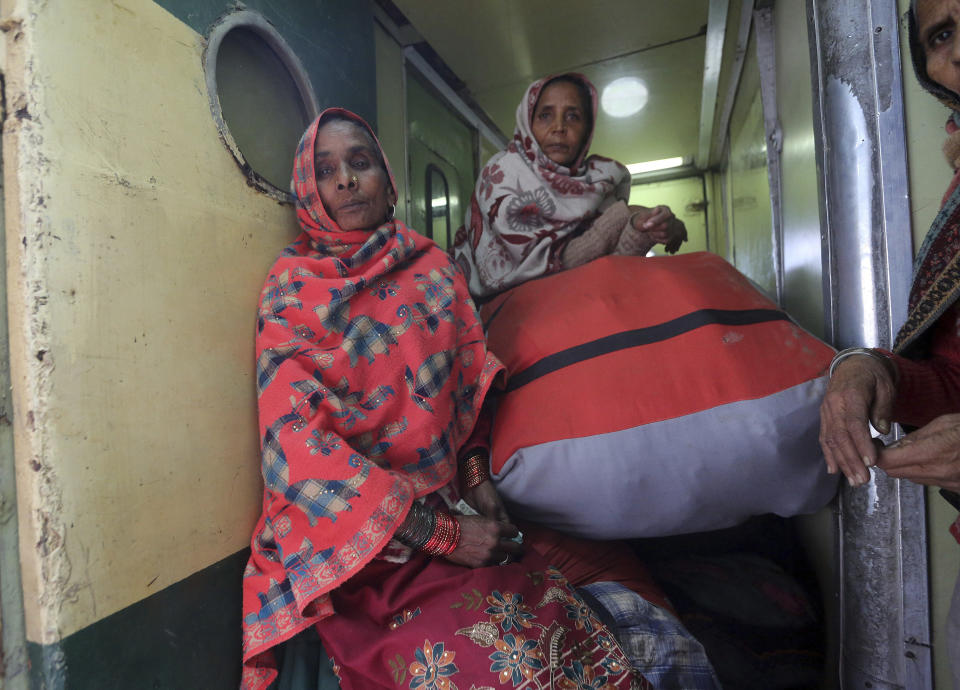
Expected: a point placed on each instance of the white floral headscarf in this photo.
(525, 207)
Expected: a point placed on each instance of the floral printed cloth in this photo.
(525, 207)
(431, 625)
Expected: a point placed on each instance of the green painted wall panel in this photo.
(334, 41)
(438, 137)
(390, 101)
(182, 638)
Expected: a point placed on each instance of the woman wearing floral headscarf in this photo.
(543, 205)
(371, 374)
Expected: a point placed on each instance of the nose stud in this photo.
(355, 180)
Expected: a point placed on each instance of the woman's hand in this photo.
(485, 542)
(860, 389)
(929, 455)
(484, 499)
(660, 225)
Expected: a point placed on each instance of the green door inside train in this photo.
(442, 154)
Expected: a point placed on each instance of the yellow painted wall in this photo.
(136, 253)
(929, 176)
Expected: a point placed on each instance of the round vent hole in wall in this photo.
(260, 96)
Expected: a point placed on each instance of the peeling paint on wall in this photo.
(46, 567)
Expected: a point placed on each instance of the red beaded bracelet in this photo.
(445, 537)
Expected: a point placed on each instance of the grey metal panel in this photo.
(859, 128)
(916, 597)
(749, 182)
(803, 289)
(743, 36)
(713, 58)
(728, 227)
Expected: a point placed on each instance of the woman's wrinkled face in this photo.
(560, 122)
(352, 183)
(937, 26)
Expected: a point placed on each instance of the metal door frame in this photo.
(765, 28)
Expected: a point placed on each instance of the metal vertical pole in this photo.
(867, 263)
(767, 61)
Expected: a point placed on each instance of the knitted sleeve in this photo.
(633, 242)
(599, 239)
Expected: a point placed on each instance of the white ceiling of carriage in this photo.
(497, 47)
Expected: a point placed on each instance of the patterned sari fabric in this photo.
(371, 371)
(936, 281)
(525, 207)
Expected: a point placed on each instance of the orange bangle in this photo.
(445, 537)
(475, 471)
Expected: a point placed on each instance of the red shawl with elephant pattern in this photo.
(371, 370)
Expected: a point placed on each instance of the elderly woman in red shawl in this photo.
(543, 205)
(371, 375)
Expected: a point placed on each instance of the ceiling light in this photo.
(650, 166)
(623, 97)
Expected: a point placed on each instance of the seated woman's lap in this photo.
(485, 626)
(584, 562)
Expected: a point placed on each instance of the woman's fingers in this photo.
(882, 408)
(678, 235)
(509, 551)
(658, 219)
(485, 542)
(929, 455)
(509, 547)
(847, 405)
(848, 448)
(661, 226)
